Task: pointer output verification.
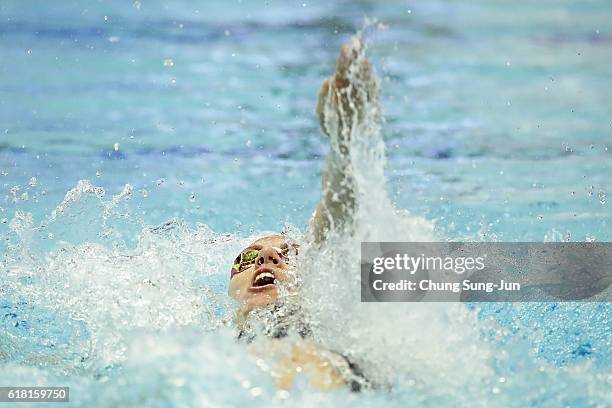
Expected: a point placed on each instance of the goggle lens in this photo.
(247, 258)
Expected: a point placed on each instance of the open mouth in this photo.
(263, 279)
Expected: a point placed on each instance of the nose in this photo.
(268, 255)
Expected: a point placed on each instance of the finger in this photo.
(349, 53)
(320, 109)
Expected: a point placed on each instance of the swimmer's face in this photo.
(257, 271)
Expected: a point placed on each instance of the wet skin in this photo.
(342, 101)
(253, 288)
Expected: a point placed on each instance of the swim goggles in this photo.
(249, 256)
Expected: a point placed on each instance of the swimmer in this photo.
(260, 269)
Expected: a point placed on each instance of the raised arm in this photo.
(347, 100)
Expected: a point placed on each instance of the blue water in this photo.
(498, 127)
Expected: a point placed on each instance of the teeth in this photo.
(264, 275)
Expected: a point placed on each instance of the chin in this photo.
(262, 299)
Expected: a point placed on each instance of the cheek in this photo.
(283, 276)
(237, 287)
(240, 283)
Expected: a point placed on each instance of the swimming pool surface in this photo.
(198, 117)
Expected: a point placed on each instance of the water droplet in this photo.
(540, 217)
(248, 143)
(29, 52)
(33, 182)
(105, 18)
(116, 146)
(145, 193)
(137, 4)
(602, 197)
(4, 220)
(50, 235)
(282, 394)
(98, 173)
(192, 197)
(160, 181)
(180, 183)
(168, 62)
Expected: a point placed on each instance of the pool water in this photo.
(143, 144)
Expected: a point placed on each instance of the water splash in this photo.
(425, 350)
(436, 353)
(128, 314)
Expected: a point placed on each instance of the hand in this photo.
(348, 97)
(306, 358)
